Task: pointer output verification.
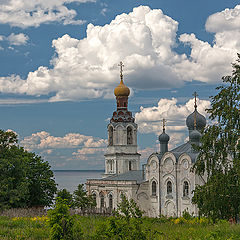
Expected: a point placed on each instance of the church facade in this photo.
(164, 185)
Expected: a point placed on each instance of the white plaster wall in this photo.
(168, 172)
(185, 174)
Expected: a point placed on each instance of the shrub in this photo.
(60, 221)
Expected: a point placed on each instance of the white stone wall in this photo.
(116, 188)
(120, 152)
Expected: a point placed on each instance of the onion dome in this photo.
(121, 90)
(200, 121)
(163, 137)
(195, 116)
(195, 136)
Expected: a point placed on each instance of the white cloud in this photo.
(227, 20)
(15, 39)
(24, 13)
(144, 40)
(150, 119)
(89, 153)
(43, 140)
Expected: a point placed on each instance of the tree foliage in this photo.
(219, 159)
(81, 199)
(65, 195)
(60, 221)
(25, 178)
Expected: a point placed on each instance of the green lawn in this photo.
(37, 228)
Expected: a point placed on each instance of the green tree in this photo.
(219, 157)
(66, 195)
(60, 221)
(81, 199)
(26, 180)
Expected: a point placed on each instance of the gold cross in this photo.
(195, 96)
(121, 69)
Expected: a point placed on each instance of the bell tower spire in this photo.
(122, 92)
(121, 155)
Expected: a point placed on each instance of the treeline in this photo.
(26, 180)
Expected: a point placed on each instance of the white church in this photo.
(165, 183)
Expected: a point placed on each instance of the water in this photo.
(70, 179)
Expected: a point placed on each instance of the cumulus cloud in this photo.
(226, 20)
(15, 39)
(144, 40)
(43, 140)
(149, 119)
(88, 153)
(24, 13)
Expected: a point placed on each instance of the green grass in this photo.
(25, 228)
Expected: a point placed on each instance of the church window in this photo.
(110, 136)
(129, 165)
(154, 188)
(169, 187)
(110, 201)
(111, 165)
(101, 200)
(129, 136)
(94, 196)
(185, 189)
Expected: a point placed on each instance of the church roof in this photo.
(185, 148)
(133, 175)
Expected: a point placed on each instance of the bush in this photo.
(127, 224)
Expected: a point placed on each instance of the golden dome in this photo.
(121, 90)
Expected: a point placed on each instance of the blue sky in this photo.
(59, 68)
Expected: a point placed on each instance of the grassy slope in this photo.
(35, 229)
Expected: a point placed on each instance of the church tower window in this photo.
(101, 200)
(110, 201)
(110, 136)
(111, 165)
(154, 188)
(129, 136)
(185, 189)
(129, 165)
(169, 187)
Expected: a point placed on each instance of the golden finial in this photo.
(195, 101)
(195, 113)
(121, 70)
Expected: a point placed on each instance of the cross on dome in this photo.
(195, 106)
(121, 65)
(195, 96)
(164, 123)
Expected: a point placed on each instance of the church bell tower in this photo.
(121, 155)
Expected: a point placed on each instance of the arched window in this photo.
(110, 136)
(129, 165)
(185, 189)
(169, 187)
(94, 196)
(154, 188)
(129, 136)
(110, 201)
(101, 200)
